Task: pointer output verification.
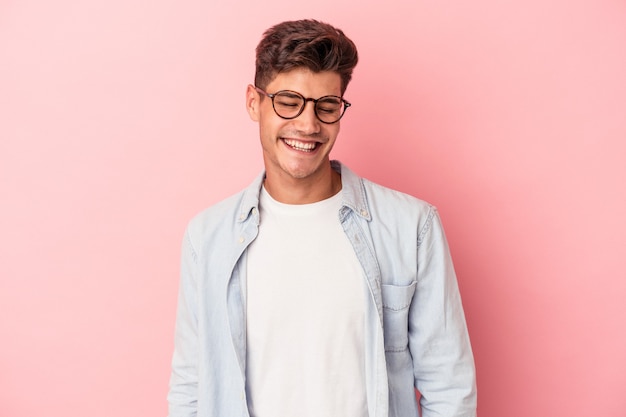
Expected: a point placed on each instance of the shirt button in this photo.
(242, 239)
(364, 213)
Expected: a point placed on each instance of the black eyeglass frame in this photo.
(305, 100)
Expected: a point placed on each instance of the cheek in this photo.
(333, 131)
(270, 128)
(337, 128)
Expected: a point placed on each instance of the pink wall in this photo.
(121, 119)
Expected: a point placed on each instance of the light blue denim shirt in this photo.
(415, 335)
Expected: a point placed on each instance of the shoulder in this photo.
(398, 211)
(216, 214)
(380, 194)
(362, 193)
(224, 216)
(383, 206)
(213, 222)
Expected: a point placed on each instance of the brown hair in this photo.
(308, 44)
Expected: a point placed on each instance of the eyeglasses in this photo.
(289, 105)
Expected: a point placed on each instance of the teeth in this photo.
(301, 146)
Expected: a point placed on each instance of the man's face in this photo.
(295, 149)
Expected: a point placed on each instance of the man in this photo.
(314, 292)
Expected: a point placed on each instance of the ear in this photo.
(253, 102)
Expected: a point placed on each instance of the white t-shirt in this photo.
(305, 314)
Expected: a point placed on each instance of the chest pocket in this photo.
(396, 302)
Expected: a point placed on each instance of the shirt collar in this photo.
(353, 194)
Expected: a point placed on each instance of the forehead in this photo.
(307, 82)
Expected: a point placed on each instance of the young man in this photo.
(314, 292)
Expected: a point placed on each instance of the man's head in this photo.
(304, 44)
(302, 71)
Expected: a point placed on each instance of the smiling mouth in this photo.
(301, 146)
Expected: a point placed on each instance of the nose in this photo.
(307, 122)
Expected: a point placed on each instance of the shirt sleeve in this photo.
(438, 338)
(182, 396)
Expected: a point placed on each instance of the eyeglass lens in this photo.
(289, 105)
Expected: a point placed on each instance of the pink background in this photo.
(120, 119)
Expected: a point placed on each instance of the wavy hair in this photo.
(308, 44)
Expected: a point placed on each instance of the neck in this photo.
(290, 190)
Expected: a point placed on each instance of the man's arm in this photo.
(438, 339)
(182, 396)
